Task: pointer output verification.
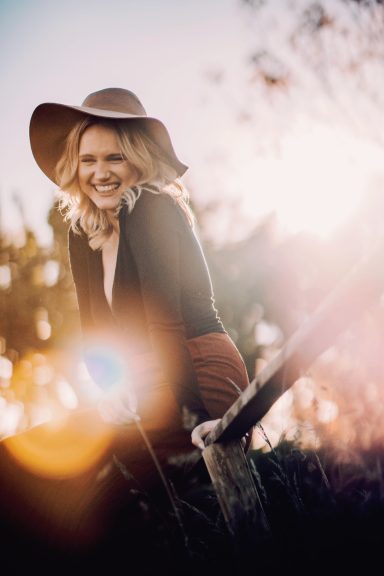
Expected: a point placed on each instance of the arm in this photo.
(155, 240)
(77, 246)
(78, 255)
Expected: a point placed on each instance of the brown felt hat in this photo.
(51, 123)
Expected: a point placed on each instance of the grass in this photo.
(326, 514)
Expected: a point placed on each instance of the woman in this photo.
(152, 333)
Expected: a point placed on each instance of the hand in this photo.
(201, 431)
(113, 409)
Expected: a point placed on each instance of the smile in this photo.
(105, 187)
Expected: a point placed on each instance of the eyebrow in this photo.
(89, 155)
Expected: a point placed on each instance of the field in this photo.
(325, 515)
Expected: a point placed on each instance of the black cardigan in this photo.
(162, 293)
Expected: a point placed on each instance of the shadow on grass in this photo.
(326, 516)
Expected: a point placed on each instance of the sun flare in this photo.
(315, 184)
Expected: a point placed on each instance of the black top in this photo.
(162, 293)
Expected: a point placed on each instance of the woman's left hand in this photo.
(201, 431)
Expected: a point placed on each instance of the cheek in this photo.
(82, 174)
(131, 175)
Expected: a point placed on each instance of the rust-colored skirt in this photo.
(79, 504)
(221, 377)
(220, 369)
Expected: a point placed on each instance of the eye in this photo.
(116, 158)
(86, 160)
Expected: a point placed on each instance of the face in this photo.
(103, 172)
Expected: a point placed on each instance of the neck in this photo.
(113, 220)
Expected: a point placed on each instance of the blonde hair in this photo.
(145, 157)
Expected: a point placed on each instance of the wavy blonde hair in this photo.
(145, 157)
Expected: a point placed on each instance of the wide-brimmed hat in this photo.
(51, 123)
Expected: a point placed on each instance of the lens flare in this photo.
(105, 365)
(62, 449)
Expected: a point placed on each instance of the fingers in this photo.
(201, 431)
(197, 439)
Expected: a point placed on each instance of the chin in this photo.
(108, 206)
(107, 203)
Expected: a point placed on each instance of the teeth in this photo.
(106, 188)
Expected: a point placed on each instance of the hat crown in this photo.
(117, 100)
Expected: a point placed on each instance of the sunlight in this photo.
(5, 277)
(6, 370)
(109, 369)
(66, 394)
(327, 411)
(51, 271)
(317, 182)
(62, 448)
(11, 414)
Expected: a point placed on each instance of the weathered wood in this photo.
(236, 491)
(345, 303)
(223, 455)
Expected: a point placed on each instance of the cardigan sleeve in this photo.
(77, 246)
(155, 239)
(96, 357)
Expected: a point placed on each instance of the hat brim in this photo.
(51, 123)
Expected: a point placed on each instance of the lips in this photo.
(106, 188)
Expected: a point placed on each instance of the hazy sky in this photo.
(60, 51)
(169, 52)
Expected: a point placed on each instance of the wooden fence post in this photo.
(236, 491)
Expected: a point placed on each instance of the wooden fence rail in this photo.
(224, 458)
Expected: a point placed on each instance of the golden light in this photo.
(6, 368)
(65, 439)
(11, 414)
(42, 374)
(66, 394)
(39, 413)
(51, 272)
(5, 277)
(43, 329)
(63, 448)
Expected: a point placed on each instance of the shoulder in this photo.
(151, 203)
(77, 244)
(156, 211)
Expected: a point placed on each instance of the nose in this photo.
(102, 171)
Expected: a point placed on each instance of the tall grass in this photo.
(326, 514)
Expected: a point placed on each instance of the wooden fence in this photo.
(224, 455)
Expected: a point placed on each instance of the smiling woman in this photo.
(102, 164)
(142, 282)
(104, 173)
